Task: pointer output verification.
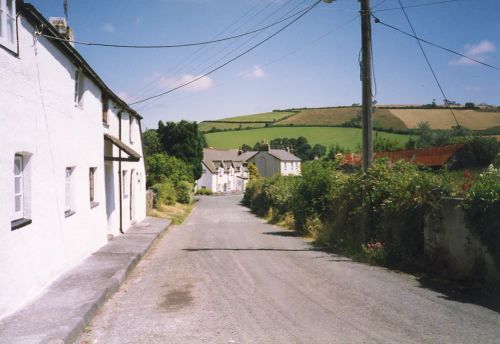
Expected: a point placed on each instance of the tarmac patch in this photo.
(178, 298)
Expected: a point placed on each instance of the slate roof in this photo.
(283, 155)
(215, 158)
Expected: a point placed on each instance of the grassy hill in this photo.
(345, 137)
(383, 117)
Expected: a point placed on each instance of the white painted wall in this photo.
(269, 165)
(39, 119)
(235, 181)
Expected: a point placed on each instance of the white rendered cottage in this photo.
(223, 171)
(275, 161)
(71, 167)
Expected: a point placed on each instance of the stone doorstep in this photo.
(61, 313)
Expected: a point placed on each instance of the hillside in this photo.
(345, 137)
(396, 118)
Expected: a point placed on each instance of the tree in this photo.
(161, 166)
(470, 105)
(183, 141)
(151, 142)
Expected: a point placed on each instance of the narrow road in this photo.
(225, 276)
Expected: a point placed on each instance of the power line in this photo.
(433, 3)
(198, 70)
(428, 63)
(183, 45)
(197, 54)
(231, 60)
(378, 21)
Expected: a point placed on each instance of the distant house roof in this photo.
(216, 158)
(283, 155)
(431, 157)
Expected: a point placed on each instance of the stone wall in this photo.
(449, 243)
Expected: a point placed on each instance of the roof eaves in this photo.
(35, 17)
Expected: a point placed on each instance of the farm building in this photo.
(434, 157)
(70, 156)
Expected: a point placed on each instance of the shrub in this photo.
(482, 210)
(164, 193)
(477, 152)
(313, 191)
(184, 192)
(206, 192)
(161, 165)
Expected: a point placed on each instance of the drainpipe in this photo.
(120, 169)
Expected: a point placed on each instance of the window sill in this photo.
(16, 224)
(105, 125)
(69, 213)
(93, 205)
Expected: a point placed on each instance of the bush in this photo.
(477, 152)
(184, 191)
(164, 193)
(161, 165)
(482, 210)
(206, 192)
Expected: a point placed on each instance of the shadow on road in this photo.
(250, 249)
(284, 233)
(463, 292)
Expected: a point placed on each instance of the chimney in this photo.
(61, 25)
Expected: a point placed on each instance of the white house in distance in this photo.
(275, 161)
(223, 171)
(226, 170)
(71, 168)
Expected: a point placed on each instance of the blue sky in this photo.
(303, 66)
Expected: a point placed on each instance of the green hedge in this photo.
(184, 191)
(164, 192)
(379, 214)
(482, 210)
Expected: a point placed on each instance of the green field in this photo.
(395, 118)
(346, 137)
(207, 126)
(264, 117)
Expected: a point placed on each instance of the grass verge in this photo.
(176, 213)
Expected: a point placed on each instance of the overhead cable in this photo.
(429, 63)
(183, 45)
(433, 3)
(231, 60)
(378, 21)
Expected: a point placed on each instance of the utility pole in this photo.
(366, 78)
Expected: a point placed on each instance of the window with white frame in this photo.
(124, 184)
(18, 187)
(69, 208)
(8, 31)
(79, 87)
(93, 203)
(105, 107)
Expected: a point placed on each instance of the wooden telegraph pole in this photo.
(366, 78)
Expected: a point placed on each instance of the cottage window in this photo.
(124, 184)
(93, 203)
(68, 204)
(18, 187)
(21, 198)
(105, 107)
(8, 31)
(79, 88)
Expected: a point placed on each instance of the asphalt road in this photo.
(225, 276)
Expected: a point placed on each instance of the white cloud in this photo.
(476, 51)
(256, 73)
(108, 27)
(201, 84)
